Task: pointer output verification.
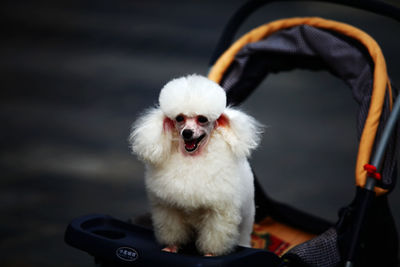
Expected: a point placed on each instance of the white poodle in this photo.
(198, 179)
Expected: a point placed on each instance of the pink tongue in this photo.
(190, 145)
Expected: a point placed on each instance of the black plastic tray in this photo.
(120, 243)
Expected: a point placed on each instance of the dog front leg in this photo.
(218, 232)
(170, 227)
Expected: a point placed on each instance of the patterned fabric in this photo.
(277, 237)
(269, 242)
(321, 251)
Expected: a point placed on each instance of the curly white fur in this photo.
(194, 95)
(209, 196)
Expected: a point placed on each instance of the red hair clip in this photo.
(372, 171)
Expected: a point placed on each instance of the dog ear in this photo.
(151, 136)
(241, 131)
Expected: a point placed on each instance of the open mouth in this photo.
(192, 145)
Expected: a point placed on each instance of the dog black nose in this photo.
(187, 134)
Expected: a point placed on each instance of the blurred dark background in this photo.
(76, 74)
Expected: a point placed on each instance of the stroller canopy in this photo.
(317, 44)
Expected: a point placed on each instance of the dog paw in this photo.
(209, 255)
(171, 249)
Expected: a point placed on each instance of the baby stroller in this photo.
(365, 233)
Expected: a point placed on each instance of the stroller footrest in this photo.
(118, 242)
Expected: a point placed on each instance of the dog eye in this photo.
(202, 119)
(179, 118)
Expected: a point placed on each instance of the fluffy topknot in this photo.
(192, 95)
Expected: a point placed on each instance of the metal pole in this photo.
(371, 182)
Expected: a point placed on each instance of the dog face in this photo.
(190, 109)
(194, 132)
